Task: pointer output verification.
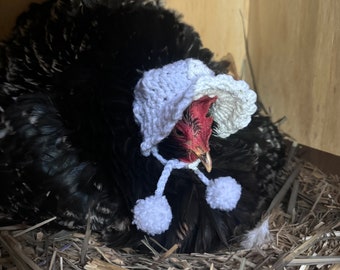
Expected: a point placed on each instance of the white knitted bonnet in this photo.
(160, 98)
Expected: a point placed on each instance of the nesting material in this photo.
(304, 226)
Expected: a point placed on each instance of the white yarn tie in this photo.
(153, 214)
(202, 177)
(170, 165)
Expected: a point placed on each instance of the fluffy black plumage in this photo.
(69, 141)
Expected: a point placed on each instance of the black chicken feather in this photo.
(69, 141)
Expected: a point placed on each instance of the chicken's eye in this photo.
(178, 133)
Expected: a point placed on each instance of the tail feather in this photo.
(257, 236)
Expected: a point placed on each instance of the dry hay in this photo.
(304, 221)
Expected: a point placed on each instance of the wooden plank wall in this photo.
(294, 48)
(219, 22)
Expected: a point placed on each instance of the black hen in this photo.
(69, 141)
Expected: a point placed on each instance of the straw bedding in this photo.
(304, 221)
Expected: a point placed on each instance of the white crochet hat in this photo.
(161, 96)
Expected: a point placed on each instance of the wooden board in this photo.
(295, 50)
(219, 22)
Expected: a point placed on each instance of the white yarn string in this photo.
(153, 214)
(201, 176)
(161, 159)
(170, 165)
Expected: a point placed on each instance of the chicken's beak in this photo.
(206, 160)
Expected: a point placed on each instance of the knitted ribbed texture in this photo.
(162, 95)
(235, 102)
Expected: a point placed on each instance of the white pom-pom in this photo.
(152, 215)
(223, 193)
